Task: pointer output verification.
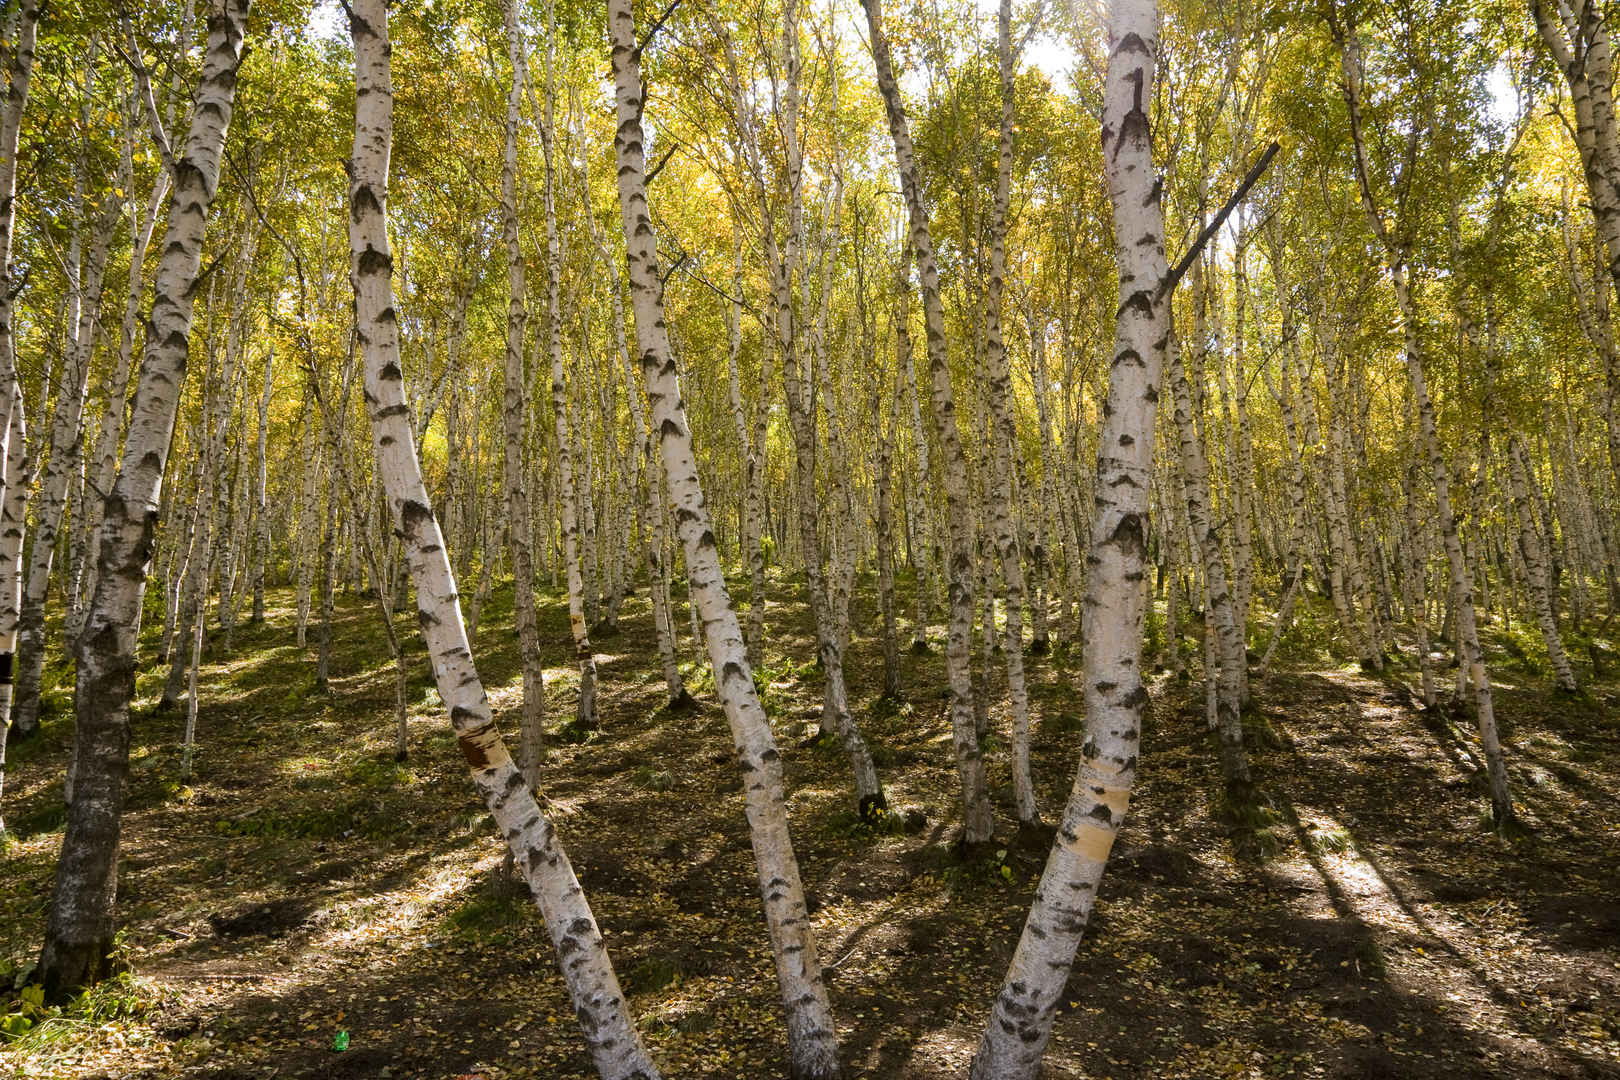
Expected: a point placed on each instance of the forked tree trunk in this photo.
(1020, 1022)
(977, 823)
(598, 1002)
(79, 931)
(812, 1037)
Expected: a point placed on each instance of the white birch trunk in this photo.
(1534, 552)
(598, 1003)
(1004, 441)
(977, 822)
(13, 505)
(79, 931)
(812, 1038)
(515, 422)
(1462, 586)
(1020, 1023)
(62, 464)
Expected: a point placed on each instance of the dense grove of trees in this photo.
(1161, 335)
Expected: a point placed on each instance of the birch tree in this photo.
(78, 947)
(1020, 1023)
(812, 1037)
(599, 1005)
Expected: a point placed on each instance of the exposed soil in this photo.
(306, 884)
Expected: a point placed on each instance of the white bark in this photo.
(1020, 1022)
(62, 463)
(812, 1038)
(1533, 550)
(977, 823)
(80, 928)
(598, 1003)
(515, 421)
(1462, 585)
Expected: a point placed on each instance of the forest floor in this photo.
(304, 884)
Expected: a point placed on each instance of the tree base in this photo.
(683, 703)
(920, 647)
(1040, 647)
(64, 970)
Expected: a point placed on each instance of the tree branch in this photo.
(1203, 238)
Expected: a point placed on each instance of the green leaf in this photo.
(340, 1041)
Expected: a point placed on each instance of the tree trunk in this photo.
(1020, 1023)
(598, 1003)
(812, 1038)
(12, 508)
(62, 463)
(1222, 638)
(1534, 552)
(1472, 657)
(515, 421)
(1004, 441)
(79, 930)
(977, 822)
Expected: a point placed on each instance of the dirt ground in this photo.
(305, 884)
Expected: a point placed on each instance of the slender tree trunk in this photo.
(12, 508)
(884, 484)
(1003, 443)
(79, 930)
(63, 461)
(598, 1002)
(977, 823)
(581, 595)
(1222, 638)
(261, 515)
(515, 420)
(1462, 585)
(1020, 1023)
(1534, 552)
(812, 1038)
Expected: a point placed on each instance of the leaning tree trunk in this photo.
(977, 823)
(812, 1037)
(598, 1003)
(800, 355)
(1020, 1023)
(79, 931)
